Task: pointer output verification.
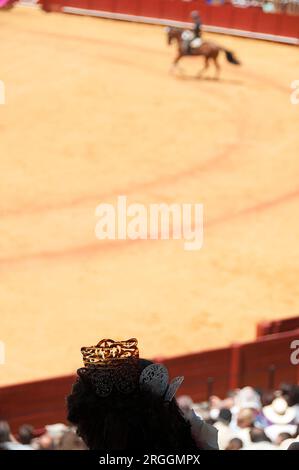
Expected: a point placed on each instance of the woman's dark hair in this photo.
(136, 421)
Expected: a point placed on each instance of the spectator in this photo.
(4, 434)
(259, 441)
(56, 432)
(7, 441)
(245, 421)
(45, 442)
(26, 434)
(294, 446)
(121, 402)
(235, 444)
(286, 439)
(248, 398)
(283, 436)
(279, 412)
(280, 418)
(267, 398)
(70, 441)
(291, 395)
(223, 426)
(268, 7)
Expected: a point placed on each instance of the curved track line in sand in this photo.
(98, 246)
(133, 188)
(259, 207)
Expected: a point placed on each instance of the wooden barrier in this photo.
(206, 373)
(37, 403)
(226, 18)
(266, 363)
(277, 326)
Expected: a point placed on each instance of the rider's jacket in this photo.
(197, 28)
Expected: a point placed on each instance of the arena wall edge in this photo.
(249, 22)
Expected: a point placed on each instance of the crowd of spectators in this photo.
(51, 437)
(246, 419)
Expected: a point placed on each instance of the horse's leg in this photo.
(175, 63)
(205, 67)
(217, 66)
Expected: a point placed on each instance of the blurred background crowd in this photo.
(246, 419)
(250, 419)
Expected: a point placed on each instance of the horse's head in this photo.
(172, 33)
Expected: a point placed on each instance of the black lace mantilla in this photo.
(124, 378)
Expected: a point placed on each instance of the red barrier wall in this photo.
(205, 373)
(266, 362)
(251, 19)
(277, 326)
(37, 403)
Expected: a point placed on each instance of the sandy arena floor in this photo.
(92, 113)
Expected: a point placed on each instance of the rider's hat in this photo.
(194, 14)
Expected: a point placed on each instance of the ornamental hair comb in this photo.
(109, 352)
(114, 365)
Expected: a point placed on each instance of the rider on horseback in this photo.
(197, 24)
(192, 38)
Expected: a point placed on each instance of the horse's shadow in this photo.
(193, 78)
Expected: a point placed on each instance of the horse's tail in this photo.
(230, 57)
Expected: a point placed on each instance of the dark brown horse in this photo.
(207, 49)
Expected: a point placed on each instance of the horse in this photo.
(207, 49)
